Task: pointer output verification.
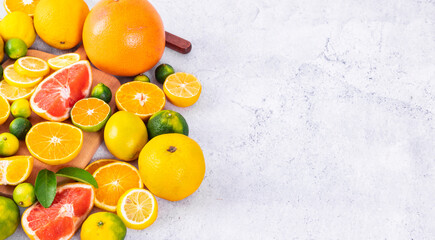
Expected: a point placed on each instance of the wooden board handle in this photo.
(177, 44)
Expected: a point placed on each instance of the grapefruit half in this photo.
(60, 221)
(57, 94)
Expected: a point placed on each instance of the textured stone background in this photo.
(316, 119)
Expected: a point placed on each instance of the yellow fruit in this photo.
(182, 89)
(2, 48)
(103, 225)
(64, 60)
(60, 22)
(4, 109)
(9, 144)
(12, 93)
(18, 25)
(26, 6)
(9, 217)
(15, 170)
(137, 208)
(31, 67)
(17, 80)
(92, 167)
(172, 166)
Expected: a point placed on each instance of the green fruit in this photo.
(15, 48)
(102, 92)
(163, 71)
(167, 121)
(142, 78)
(20, 127)
(1, 70)
(103, 225)
(9, 217)
(21, 108)
(24, 195)
(9, 144)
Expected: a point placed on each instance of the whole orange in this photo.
(124, 37)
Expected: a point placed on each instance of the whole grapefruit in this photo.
(124, 37)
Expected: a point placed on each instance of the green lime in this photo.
(24, 195)
(1, 70)
(142, 78)
(163, 71)
(103, 225)
(21, 108)
(9, 217)
(15, 48)
(19, 127)
(9, 144)
(102, 92)
(167, 121)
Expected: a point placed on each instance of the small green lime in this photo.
(24, 195)
(9, 217)
(15, 48)
(167, 121)
(20, 127)
(142, 78)
(9, 144)
(103, 225)
(102, 92)
(1, 70)
(163, 71)
(21, 108)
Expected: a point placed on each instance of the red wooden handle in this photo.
(177, 44)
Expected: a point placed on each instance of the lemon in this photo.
(21, 108)
(2, 54)
(142, 78)
(12, 93)
(62, 61)
(24, 194)
(17, 80)
(163, 71)
(18, 25)
(102, 92)
(167, 121)
(103, 225)
(31, 67)
(9, 144)
(20, 127)
(4, 109)
(9, 217)
(137, 208)
(15, 48)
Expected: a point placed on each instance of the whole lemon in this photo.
(60, 22)
(172, 166)
(18, 25)
(9, 217)
(103, 225)
(9, 144)
(125, 135)
(2, 54)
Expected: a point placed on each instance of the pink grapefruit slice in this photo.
(56, 95)
(70, 207)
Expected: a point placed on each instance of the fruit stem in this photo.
(172, 149)
(100, 223)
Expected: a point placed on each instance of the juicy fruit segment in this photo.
(9, 217)
(70, 207)
(91, 168)
(17, 80)
(167, 121)
(57, 94)
(103, 225)
(24, 195)
(141, 98)
(90, 114)
(15, 48)
(54, 143)
(62, 61)
(12, 93)
(163, 71)
(31, 67)
(137, 208)
(27, 6)
(18, 25)
(182, 89)
(9, 144)
(16, 169)
(4, 109)
(113, 180)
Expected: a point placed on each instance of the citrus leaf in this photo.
(45, 187)
(77, 174)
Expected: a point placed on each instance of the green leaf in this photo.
(77, 174)
(45, 187)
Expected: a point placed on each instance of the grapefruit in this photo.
(124, 37)
(70, 207)
(57, 94)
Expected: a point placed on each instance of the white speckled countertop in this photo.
(316, 119)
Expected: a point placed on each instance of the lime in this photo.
(21, 108)
(9, 217)
(15, 48)
(167, 121)
(9, 144)
(103, 225)
(19, 127)
(24, 195)
(142, 78)
(163, 71)
(1, 71)
(102, 92)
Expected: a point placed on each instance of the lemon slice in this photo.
(15, 170)
(31, 67)
(17, 80)
(12, 93)
(137, 208)
(62, 61)
(5, 109)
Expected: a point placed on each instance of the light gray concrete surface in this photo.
(316, 119)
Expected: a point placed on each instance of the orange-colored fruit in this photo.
(124, 37)
(26, 6)
(97, 164)
(182, 89)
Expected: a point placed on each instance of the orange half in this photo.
(182, 89)
(26, 6)
(97, 164)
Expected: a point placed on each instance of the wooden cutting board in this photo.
(91, 141)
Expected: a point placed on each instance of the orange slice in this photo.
(26, 6)
(90, 114)
(182, 89)
(97, 164)
(15, 170)
(141, 98)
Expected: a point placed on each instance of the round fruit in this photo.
(12, 93)
(24, 195)
(9, 144)
(142, 78)
(21, 108)
(15, 169)
(31, 67)
(9, 217)
(60, 22)
(167, 121)
(163, 71)
(90, 114)
(182, 89)
(92, 167)
(2, 55)
(15, 79)
(137, 208)
(27, 6)
(18, 25)
(20, 127)
(172, 166)
(62, 61)
(102, 92)
(4, 109)
(103, 225)
(15, 48)
(124, 38)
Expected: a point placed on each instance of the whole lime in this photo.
(103, 225)
(15, 48)
(102, 92)
(9, 217)
(142, 78)
(167, 121)
(163, 71)
(24, 195)
(1, 71)
(20, 127)
(21, 108)
(9, 144)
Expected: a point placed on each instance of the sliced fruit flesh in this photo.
(183, 85)
(33, 64)
(138, 206)
(4, 107)
(140, 97)
(63, 60)
(91, 168)
(17, 169)
(26, 6)
(90, 112)
(12, 77)
(13, 93)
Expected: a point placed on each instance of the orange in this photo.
(182, 89)
(124, 37)
(141, 98)
(15, 170)
(90, 114)
(97, 164)
(114, 179)
(26, 6)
